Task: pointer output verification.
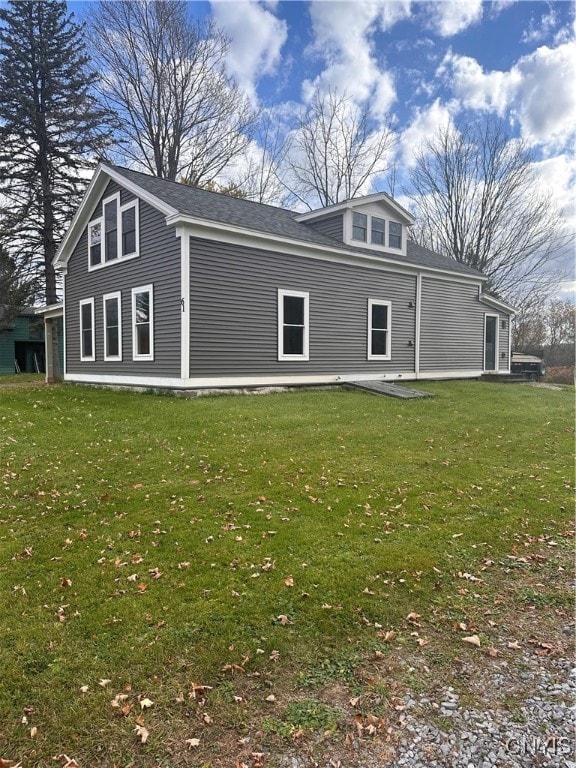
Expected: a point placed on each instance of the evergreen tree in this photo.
(50, 126)
(18, 288)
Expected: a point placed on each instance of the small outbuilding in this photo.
(21, 342)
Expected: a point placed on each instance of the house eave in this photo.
(102, 175)
(211, 230)
(495, 303)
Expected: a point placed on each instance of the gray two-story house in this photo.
(166, 285)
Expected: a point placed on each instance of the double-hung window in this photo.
(378, 231)
(394, 235)
(359, 226)
(379, 327)
(115, 235)
(293, 325)
(143, 323)
(95, 242)
(87, 340)
(111, 230)
(113, 326)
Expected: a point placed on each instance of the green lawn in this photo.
(257, 545)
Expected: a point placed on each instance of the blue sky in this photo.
(418, 65)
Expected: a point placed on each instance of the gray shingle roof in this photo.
(257, 217)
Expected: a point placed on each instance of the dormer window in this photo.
(359, 226)
(114, 236)
(378, 231)
(395, 235)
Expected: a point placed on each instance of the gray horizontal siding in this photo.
(333, 227)
(452, 327)
(159, 264)
(233, 305)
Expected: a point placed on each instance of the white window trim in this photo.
(92, 224)
(386, 248)
(87, 358)
(496, 316)
(306, 346)
(150, 290)
(108, 297)
(123, 209)
(101, 220)
(388, 304)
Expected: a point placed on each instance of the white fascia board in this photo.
(491, 301)
(354, 202)
(52, 310)
(215, 382)
(227, 233)
(102, 175)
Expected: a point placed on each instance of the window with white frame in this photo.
(293, 325)
(95, 242)
(87, 339)
(378, 233)
(115, 234)
(379, 326)
(394, 235)
(112, 326)
(359, 226)
(143, 323)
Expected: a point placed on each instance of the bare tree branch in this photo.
(477, 199)
(181, 115)
(335, 151)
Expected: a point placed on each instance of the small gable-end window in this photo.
(395, 235)
(378, 231)
(379, 323)
(112, 326)
(111, 230)
(115, 234)
(129, 214)
(359, 226)
(143, 323)
(293, 325)
(87, 343)
(95, 242)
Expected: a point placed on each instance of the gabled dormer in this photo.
(376, 222)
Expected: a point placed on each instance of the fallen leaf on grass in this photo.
(283, 620)
(514, 645)
(142, 733)
(190, 743)
(118, 699)
(66, 762)
(473, 640)
(104, 682)
(146, 703)
(289, 581)
(9, 764)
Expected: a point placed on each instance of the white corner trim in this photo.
(184, 235)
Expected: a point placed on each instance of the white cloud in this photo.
(256, 36)
(540, 30)
(343, 37)
(538, 90)
(425, 124)
(449, 17)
